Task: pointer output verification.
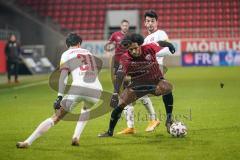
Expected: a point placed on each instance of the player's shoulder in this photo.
(65, 53)
(162, 35)
(125, 56)
(116, 33)
(149, 45)
(159, 31)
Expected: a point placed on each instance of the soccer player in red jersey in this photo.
(116, 39)
(140, 63)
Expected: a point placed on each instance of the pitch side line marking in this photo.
(25, 86)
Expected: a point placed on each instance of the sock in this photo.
(42, 128)
(116, 114)
(81, 123)
(148, 105)
(168, 102)
(129, 115)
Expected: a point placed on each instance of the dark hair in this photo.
(132, 38)
(124, 20)
(151, 13)
(73, 39)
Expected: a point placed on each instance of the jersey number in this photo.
(87, 62)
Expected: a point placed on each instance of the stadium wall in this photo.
(32, 32)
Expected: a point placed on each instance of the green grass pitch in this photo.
(210, 112)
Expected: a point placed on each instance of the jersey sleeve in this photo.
(64, 63)
(112, 38)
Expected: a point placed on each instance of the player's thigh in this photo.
(127, 96)
(163, 87)
(69, 102)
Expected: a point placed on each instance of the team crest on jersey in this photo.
(152, 39)
(118, 37)
(148, 57)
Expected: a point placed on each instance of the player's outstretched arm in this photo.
(117, 85)
(61, 88)
(167, 44)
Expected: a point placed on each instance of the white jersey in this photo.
(81, 63)
(158, 35)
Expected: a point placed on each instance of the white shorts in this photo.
(77, 94)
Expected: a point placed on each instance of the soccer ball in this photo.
(178, 129)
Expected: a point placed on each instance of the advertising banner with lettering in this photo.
(209, 45)
(210, 52)
(221, 58)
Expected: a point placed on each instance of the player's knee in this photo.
(144, 100)
(163, 88)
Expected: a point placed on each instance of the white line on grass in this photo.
(25, 86)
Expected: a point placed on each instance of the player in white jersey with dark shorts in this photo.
(85, 87)
(155, 35)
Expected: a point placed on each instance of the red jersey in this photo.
(116, 38)
(145, 68)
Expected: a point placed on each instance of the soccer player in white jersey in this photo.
(155, 35)
(85, 87)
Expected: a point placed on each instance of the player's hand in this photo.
(167, 44)
(114, 100)
(57, 102)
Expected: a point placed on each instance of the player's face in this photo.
(124, 27)
(13, 38)
(134, 50)
(151, 24)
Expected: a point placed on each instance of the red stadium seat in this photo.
(183, 19)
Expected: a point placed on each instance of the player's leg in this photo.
(129, 116)
(42, 128)
(9, 71)
(154, 122)
(92, 97)
(128, 96)
(81, 123)
(168, 103)
(16, 66)
(164, 88)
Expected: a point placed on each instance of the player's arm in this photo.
(99, 63)
(64, 70)
(163, 40)
(111, 44)
(117, 85)
(167, 49)
(119, 79)
(61, 87)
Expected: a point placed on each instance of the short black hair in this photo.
(132, 38)
(151, 13)
(124, 20)
(73, 39)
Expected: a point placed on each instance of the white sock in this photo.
(42, 128)
(129, 115)
(148, 105)
(81, 123)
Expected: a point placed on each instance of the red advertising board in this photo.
(209, 45)
(2, 57)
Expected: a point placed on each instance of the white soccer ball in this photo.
(178, 129)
